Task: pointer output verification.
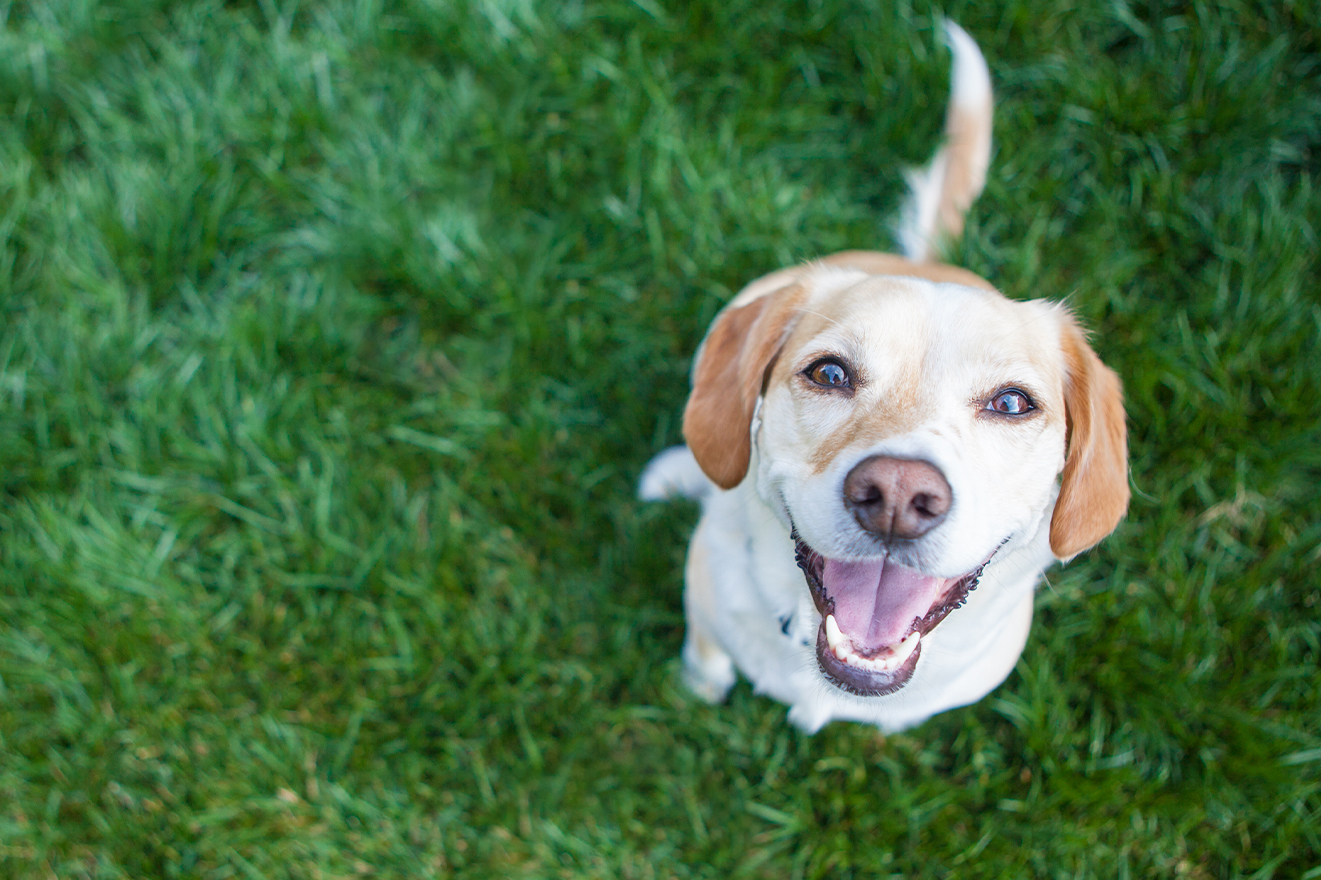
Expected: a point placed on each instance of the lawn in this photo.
(335, 335)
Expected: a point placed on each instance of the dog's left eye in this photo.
(829, 373)
(1011, 402)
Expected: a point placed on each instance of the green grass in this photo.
(336, 334)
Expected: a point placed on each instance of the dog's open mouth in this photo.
(873, 617)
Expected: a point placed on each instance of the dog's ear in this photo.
(1094, 485)
(728, 376)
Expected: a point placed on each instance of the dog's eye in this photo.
(1011, 402)
(829, 373)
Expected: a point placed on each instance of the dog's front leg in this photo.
(707, 669)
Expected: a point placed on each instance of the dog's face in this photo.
(907, 432)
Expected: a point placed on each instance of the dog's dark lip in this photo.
(866, 683)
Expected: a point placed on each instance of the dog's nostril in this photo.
(895, 497)
(867, 495)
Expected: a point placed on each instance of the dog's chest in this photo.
(764, 608)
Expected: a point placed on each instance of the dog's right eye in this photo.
(829, 373)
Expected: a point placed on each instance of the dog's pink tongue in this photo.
(875, 602)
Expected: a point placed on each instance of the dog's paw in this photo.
(808, 717)
(708, 690)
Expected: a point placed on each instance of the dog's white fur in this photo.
(930, 346)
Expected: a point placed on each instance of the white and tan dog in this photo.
(888, 454)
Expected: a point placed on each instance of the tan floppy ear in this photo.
(1094, 486)
(727, 380)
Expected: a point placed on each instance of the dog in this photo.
(888, 453)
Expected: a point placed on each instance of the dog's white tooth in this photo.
(842, 647)
(905, 649)
(834, 638)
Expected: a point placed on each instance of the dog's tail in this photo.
(940, 193)
(672, 474)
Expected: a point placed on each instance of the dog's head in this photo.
(906, 431)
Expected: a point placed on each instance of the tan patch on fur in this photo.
(876, 263)
(727, 380)
(899, 411)
(870, 262)
(1094, 485)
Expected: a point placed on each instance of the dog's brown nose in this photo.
(897, 497)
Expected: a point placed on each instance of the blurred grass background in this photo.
(336, 333)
